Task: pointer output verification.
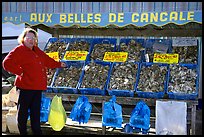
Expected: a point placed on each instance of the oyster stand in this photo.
(70, 26)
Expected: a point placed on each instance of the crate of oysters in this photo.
(183, 81)
(94, 78)
(156, 46)
(66, 79)
(78, 46)
(122, 79)
(187, 49)
(134, 47)
(152, 80)
(53, 46)
(57, 45)
(50, 77)
(100, 46)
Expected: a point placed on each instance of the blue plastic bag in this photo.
(140, 116)
(44, 109)
(112, 113)
(81, 111)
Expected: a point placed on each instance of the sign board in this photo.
(182, 41)
(54, 55)
(75, 55)
(115, 56)
(103, 19)
(160, 47)
(165, 58)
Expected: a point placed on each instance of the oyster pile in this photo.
(68, 77)
(152, 78)
(182, 79)
(100, 49)
(150, 54)
(187, 54)
(50, 74)
(134, 50)
(95, 76)
(56, 47)
(79, 46)
(123, 76)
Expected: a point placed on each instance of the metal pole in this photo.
(200, 69)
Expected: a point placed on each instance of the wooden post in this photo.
(103, 127)
(193, 119)
(55, 34)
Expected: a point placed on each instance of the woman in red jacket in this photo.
(29, 63)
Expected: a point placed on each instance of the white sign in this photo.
(184, 42)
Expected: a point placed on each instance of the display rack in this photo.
(191, 105)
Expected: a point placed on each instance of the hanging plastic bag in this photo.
(75, 114)
(140, 117)
(171, 118)
(57, 116)
(82, 110)
(44, 109)
(112, 113)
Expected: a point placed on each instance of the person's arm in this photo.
(50, 62)
(10, 62)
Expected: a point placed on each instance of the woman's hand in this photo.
(63, 65)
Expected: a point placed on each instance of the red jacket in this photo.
(29, 66)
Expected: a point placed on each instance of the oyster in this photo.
(123, 76)
(56, 47)
(79, 46)
(68, 77)
(95, 76)
(187, 54)
(50, 74)
(134, 50)
(182, 79)
(100, 49)
(152, 78)
(150, 53)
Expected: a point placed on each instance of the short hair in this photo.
(23, 34)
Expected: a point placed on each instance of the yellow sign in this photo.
(115, 56)
(165, 58)
(75, 55)
(54, 55)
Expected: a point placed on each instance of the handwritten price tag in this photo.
(75, 55)
(115, 56)
(54, 55)
(165, 58)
